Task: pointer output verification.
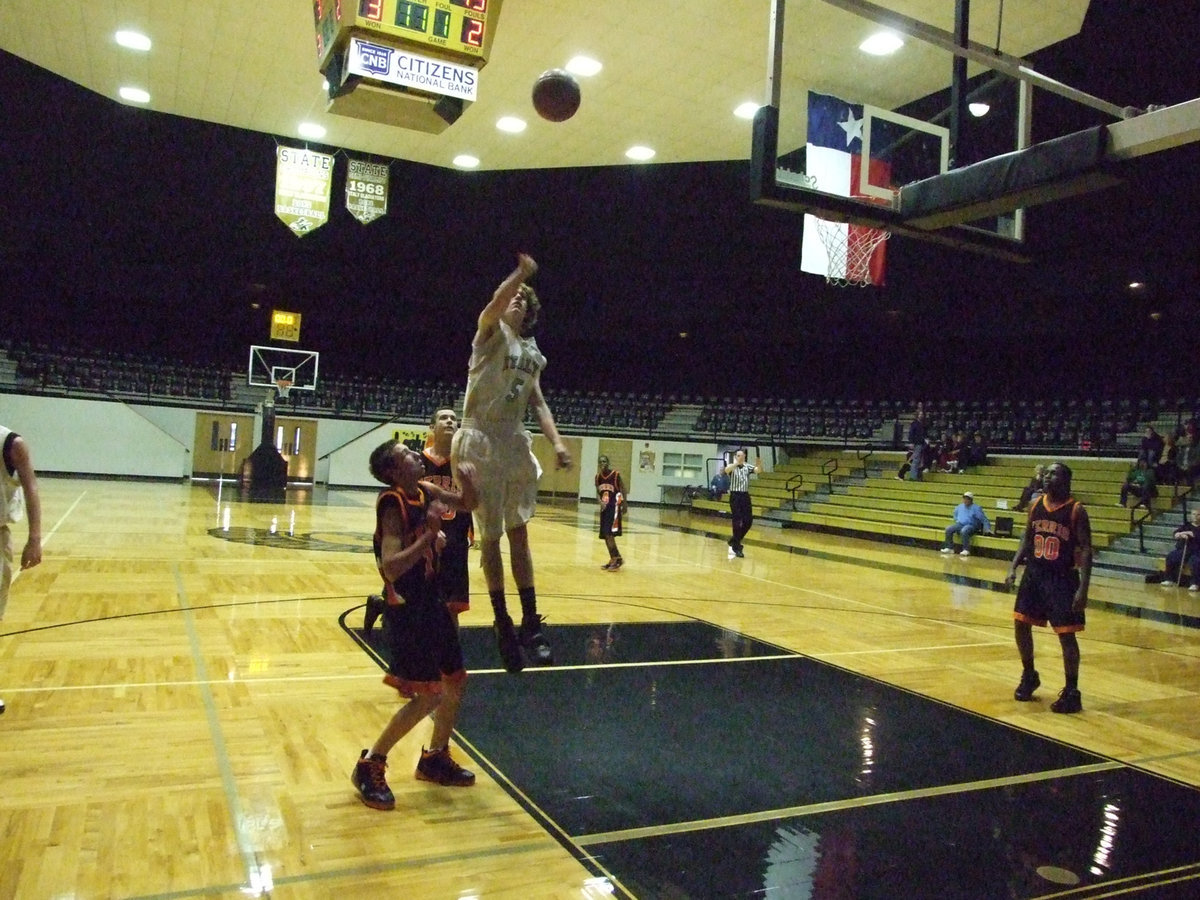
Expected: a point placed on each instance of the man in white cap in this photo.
(969, 520)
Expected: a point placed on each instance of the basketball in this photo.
(556, 95)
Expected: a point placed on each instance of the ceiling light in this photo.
(466, 161)
(978, 108)
(511, 124)
(1136, 285)
(747, 110)
(639, 153)
(583, 66)
(881, 44)
(132, 40)
(134, 95)
(310, 130)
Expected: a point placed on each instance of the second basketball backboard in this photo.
(844, 141)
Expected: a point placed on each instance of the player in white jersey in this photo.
(19, 498)
(503, 380)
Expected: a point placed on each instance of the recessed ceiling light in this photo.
(747, 110)
(978, 109)
(134, 95)
(583, 66)
(1136, 285)
(310, 130)
(132, 40)
(466, 161)
(511, 124)
(881, 44)
(639, 153)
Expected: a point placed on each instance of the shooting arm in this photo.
(491, 314)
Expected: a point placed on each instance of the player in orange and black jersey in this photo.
(611, 492)
(453, 576)
(454, 583)
(1057, 550)
(426, 664)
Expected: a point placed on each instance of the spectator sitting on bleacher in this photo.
(1167, 471)
(1187, 453)
(718, 486)
(1140, 482)
(1152, 447)
(969, 520)
(1033, 490)
(1186, 553)
(954, 451)
(973, 454)
(940, 453)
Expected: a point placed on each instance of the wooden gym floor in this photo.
(188, 686)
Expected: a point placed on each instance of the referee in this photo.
(740, 509)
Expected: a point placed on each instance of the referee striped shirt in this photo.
(739, 478)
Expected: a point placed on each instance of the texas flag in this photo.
(832, 157)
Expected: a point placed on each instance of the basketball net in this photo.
(848, 249)
(282, 387)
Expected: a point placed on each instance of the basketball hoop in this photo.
(849, 251)
(282, 386)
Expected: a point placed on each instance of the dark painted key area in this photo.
(706, 764)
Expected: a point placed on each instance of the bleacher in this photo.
(843, 493)
(1107, 427)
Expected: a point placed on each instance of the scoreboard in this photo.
(459, 30)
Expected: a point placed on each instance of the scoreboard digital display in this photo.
(460, 27)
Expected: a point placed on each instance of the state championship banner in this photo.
(302, 185)
(366, 190)
(832, 158)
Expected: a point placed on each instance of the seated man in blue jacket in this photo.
(969, 520)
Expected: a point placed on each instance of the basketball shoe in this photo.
(535, 642)
(1030, 681)
(372, 786)
(1069, 701)
(509, 646)
(439, 767)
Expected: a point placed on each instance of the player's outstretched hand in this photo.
(526, 264)
(564, 458)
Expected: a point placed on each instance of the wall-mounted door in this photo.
(296, 439)
(222, 443)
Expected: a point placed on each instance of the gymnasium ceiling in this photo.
(673, 70)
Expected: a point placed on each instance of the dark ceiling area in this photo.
(135, 232)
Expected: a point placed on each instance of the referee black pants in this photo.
(742, 514)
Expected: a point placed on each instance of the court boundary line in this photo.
(256, 879)
(809, 809)
(53, 531)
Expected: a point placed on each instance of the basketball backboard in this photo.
(935, 137)
(269, 367)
